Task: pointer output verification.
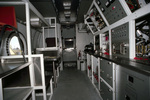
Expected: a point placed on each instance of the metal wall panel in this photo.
(131, 85)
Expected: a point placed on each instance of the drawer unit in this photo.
(105, 92)
(106, 71)
(132, 85)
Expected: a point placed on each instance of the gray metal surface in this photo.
(17, 93)
(74, 85)
(69, 55)
(105, 92)
(120, 40)
(10, 68)
(113, 12)
(131, 85)
(106, 71)
(129, 64)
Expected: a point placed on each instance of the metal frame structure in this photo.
(52, 25)
(43, 87)
(89, 72)
(28, 7)
(13, 88)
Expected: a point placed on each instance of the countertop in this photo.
(141, 66)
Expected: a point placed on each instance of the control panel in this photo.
(120, 40)
(97, 18)
(105, 43)
(112, 10)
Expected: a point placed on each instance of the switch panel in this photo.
(120, 40)
(105, 43)
(112, 10)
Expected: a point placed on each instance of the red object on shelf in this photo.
(89, 67)
(136, 58)
(145, 59)
(8, 16)
(106, 53)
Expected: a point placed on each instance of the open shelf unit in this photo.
(26, 13)
(12, 93)
(10, 72)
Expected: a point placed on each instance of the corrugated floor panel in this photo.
(74, 85)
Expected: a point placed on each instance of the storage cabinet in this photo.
(89, 66)
(95, 72)
(106, 71)
(105, 92)
(131, 85)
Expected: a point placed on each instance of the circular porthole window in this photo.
(13, 46)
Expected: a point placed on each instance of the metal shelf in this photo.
(20, 9)
(47, 49)
(10, 68)
(17, 93)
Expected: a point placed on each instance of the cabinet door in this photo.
(106, 92)
(131, 85)
(106, 69)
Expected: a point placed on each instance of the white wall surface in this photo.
(83, 39)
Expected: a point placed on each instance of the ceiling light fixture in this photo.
(67, 12)
(67, 5)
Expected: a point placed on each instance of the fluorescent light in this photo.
(66, 4)
(67, 7)
(67, 12)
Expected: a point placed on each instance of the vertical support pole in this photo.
(100, 43)
(88, 65)
(94, 42)
(54, 71)
(99, 73)
(110, 44)
(43, 77)
(51, 86)
(43, 37)
(92, 69)
(132, 44)
(56, 33)
(1, 90)
(114, 81)
(32, 78)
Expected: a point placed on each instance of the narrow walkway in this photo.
(74, 85)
